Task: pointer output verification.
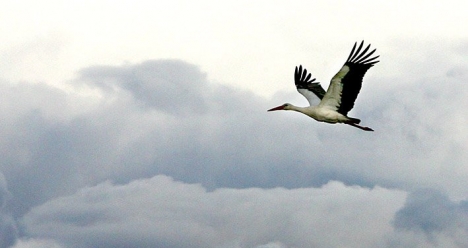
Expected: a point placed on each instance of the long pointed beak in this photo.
(277, 108)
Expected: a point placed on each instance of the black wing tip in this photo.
(302, 77)
(362, 57)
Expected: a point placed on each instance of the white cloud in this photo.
(121, 133)
(140, 115)
(160, 212)
(248, 45)
(224, 137)
(36, 243)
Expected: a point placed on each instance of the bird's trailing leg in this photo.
(360, 127)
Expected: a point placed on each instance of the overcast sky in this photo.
(144, 124)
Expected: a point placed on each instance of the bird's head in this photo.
(285, 106)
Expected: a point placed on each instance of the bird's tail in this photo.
(360, 127)
(353, 120)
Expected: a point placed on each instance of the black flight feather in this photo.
(358, 64)
(303, 81)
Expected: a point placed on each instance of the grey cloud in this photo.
(427, 210)
(8, 229)
(56, 142)
(55, 146)
(169, 85)
(458, 72)
(431, 212)
(160, 212)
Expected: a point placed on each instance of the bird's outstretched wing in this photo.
(313, 92)
(346, 84)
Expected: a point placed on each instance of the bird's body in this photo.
(334, 104)
(320, 114)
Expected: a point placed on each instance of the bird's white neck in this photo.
(309, 111)
(296, 108)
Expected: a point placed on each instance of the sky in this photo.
(144, 124)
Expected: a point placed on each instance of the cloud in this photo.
(113, 123)
(8, 229)
(161, 212)
(116, 123)
(427, 210)
(168, 85)
(432, 213)
(124, 123)
(56, 142)
(36, 243)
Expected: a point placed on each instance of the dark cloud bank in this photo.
(130, 123)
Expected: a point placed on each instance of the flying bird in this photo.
(333, 105)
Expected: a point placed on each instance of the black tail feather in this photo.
(353, 120)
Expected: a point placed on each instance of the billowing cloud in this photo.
(160, 212)
(427, 210)
(165, 117)
(432, 213)
(202, 127)
(168, 85)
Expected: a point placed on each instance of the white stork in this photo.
(334, 105)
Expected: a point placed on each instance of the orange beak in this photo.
(277, 108)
